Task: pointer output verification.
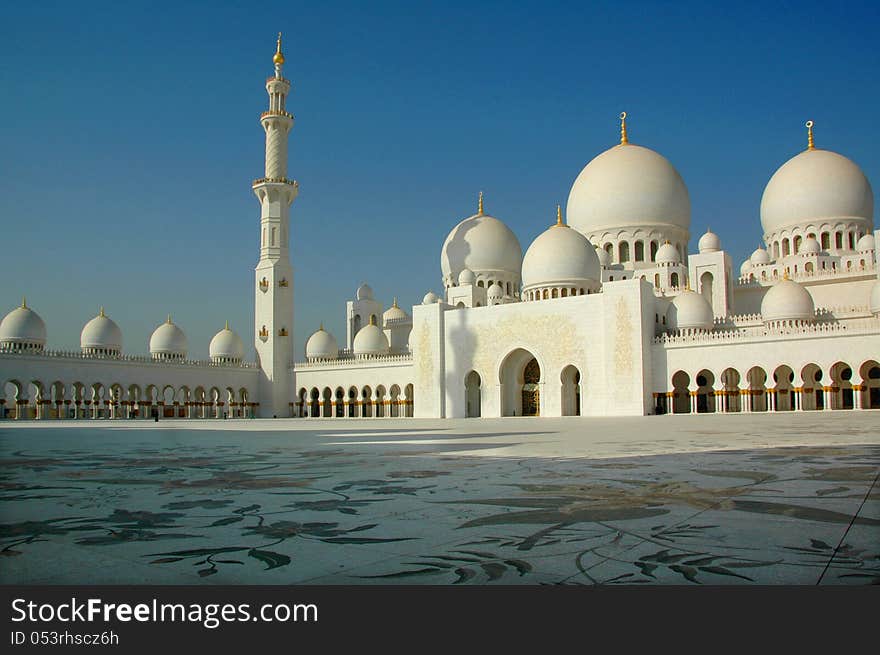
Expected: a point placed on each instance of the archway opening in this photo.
(681, 398)
(571, 391)
(472, 393)
(870, 372)
(705, 392)
(520, 380)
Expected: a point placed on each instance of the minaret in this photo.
(273, 308)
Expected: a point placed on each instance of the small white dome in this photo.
(745, 267)
(628, 186)
(370, 340)
(689, 311)
(394, 312)
(874, 302)
(495, 291)
(23, 326)
(604, 257)
(759, 257)
(322, 345)
(816, 185)
(709, 242)
(866, 243)
(226, 346)
(560, 255)
(364, 292)
(430, 298)
(168, 340)
(466, 277)
(101, 333)
(667, 254)
(810, 246)
(787, 301)
(483, 244)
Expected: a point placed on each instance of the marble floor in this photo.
(722, 499)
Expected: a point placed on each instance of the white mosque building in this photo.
(606, 314)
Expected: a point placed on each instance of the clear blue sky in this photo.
(129, 136)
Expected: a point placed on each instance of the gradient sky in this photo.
(129, 137)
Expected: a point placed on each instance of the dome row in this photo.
(24, 329)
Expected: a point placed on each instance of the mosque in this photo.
(606, 314)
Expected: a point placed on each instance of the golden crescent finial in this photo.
(623, 139)
(395, 302)
(559, 222)
(24, 303)
(101, 313)
(278, 59)
(321, 329)
(169, 319)
(227, 324)
(810, 145)
(480, 205)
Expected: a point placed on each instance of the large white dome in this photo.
(23, 327)
(690, 311)
(560, 256)
(709, 242)
(101, 334)
(393, 313)
(168, 340)
(816, 186)
(483, 244)
(628, 186)
(322, 345)
(787, 301)
(226, 346)
(370, 340)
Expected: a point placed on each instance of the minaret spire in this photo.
(273, 286)
(278, 59)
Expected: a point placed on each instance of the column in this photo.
(745, 397)
(826, 397)
(693, 398)
(857, 396)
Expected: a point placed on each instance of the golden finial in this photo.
(321, 329)
(394, 304)
(372, 319)
(623, 139)
(24, 303)
(169, 319)
(480, 205)
(559, 222)
(279, 56)
(810, 145)
(227, 325)
(101, 313)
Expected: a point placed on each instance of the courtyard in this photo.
(781, 498)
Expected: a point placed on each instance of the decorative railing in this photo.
(352, 361)
(748, 280)
(138, 359)
(777, 331)
(277, 112)
(278, 79)
(275, 180)
(407, 320)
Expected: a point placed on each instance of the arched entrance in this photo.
(870, 372)
(520, 378)
(571, 391)
(681, 395)
(472, 394)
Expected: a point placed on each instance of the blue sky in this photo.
(129, 137)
